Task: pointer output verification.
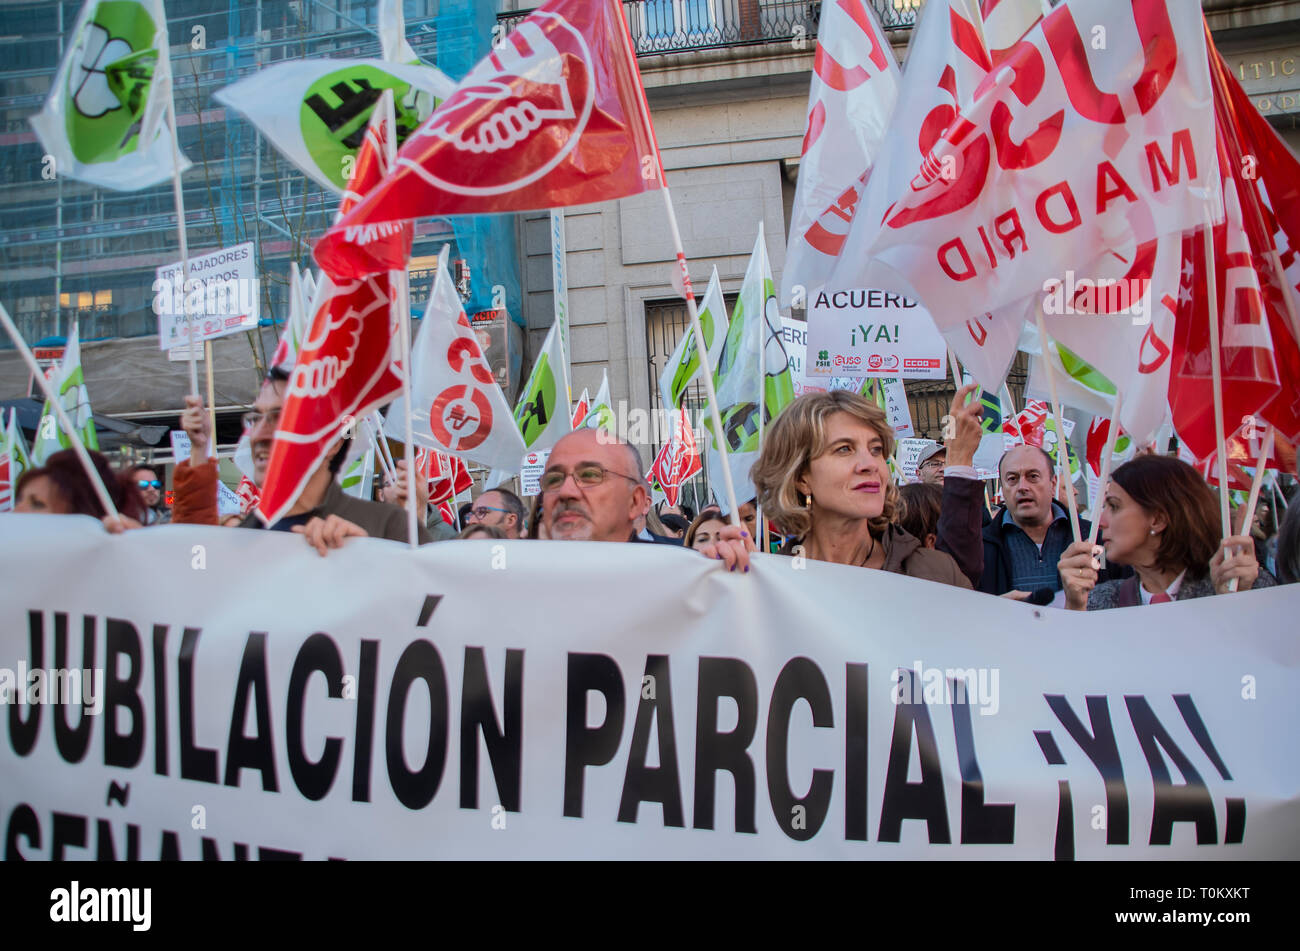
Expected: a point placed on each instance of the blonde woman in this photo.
(823, 476)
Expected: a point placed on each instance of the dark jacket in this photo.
(959, 532)
(997, 555)
(379, 519)
(905, 555)
(1124, 593)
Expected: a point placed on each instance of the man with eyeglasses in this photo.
(592, 489)
(501, 508)
(323, 512)
(150, 485)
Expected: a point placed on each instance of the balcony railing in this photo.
(674, 26)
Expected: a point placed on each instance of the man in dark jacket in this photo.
(1025, 539)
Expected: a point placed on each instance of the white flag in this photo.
(952, 49)
(1114, 328)
(854, 88)
(744, 379)
(104, 119)
(70, 383)
(542, 413)
(601, 413)
(684, 365)
(457, 406)
(1042, 169)
(315, 111)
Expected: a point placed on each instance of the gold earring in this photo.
(807, 500)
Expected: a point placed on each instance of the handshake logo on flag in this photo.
(521, 97)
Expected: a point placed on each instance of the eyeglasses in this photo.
(254, 419)
(585, 476)
(481, 511)
(149, 484)
(931, 464)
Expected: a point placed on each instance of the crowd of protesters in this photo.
(823, 484)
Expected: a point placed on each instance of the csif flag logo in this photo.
(529, 100)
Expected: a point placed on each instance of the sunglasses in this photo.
(149, 484)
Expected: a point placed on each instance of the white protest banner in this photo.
(908, 454)
(220, 298)
(347, 724)
(530, 472)
(863, 332)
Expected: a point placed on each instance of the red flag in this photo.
(344, 367)
(248, 494)
(348, 251)
(447, 475)
(554, 116)
(1258, 346)
(678, 461)
(7, 500)
(1268, 180)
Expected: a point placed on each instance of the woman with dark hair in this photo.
(704, 529)
(61, 487)
(823, 476)
(920, 505)
(1159, 516)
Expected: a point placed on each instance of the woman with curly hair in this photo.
(824, 477)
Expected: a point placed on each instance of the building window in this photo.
(666, 322)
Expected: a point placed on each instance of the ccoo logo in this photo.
(516, 116)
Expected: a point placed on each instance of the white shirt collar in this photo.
(1172, 590)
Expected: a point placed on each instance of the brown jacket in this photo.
(905, 555)
(194, 493)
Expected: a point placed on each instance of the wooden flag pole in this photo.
(1112, 433)
(1216, 373)
(719, 438)
(401, 300)
(53, 399)
(1064, 443)
(178, 197)
(1256, 483)
(760, 526)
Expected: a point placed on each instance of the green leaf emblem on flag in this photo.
(108, 85)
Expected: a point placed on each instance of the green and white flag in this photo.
(684, 364)
(542, 413)
(315, 111)
(601, 413)
(104, 119)
(359, 475)
(14, 444)
(71, 386)
(755, 325)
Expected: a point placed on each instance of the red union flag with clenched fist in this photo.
(344, 367)
(457, 405)
(678, 461)
(1100, 107)
(555, 115)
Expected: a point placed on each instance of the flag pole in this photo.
(1060, 427)
(1256, 483)
(1216, 372)
(1112, 433)
(178, 197)
(760, 527)
(53, 399)
(702, 348)
(398, 281)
